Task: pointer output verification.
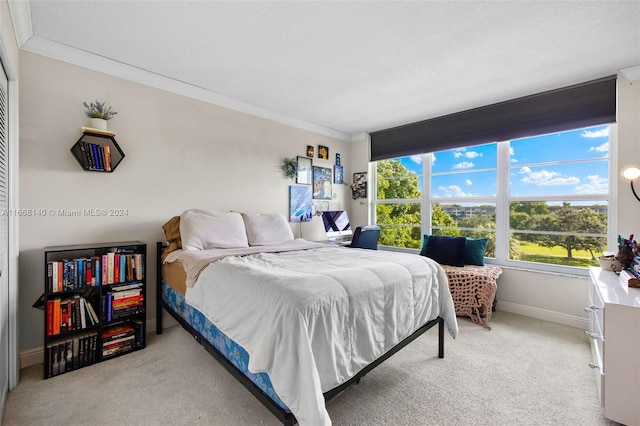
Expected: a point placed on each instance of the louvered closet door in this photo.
(4, 235)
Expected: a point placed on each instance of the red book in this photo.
(49, 317)
(69, 316)
(89, 271)
(56, 316)
(116, 268)
(127, 301)
(60, 276)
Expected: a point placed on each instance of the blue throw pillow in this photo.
(423, 250)
(474, 251)
(446, 250)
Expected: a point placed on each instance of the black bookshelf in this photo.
(94, 302)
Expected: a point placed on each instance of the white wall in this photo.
(180, 154)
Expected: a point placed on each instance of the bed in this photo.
(296, 322)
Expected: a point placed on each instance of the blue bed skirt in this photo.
(235, 353)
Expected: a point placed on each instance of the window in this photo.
(542, 200)
(399, 197)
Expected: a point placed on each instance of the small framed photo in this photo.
(338, 174)
(338, 163)
(359, 186)
(310, 150)
(304, 174)
(323, 152)
(322, 183)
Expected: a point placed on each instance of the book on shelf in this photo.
(137, 325)
(116, 268)
(71, 354)
(117, 331)
(69, 314)
(121, 294)
(56, 316)
(107, 158)
(81, 272)
(110, 266)
(92, 312)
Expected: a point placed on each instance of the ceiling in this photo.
(340, 68)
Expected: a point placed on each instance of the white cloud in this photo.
(603, 133)
(463, 165)
(600, 148)
(462, 152)
(468, 182)
(595, 185)
(416, 159)
(453, 191)
(433, 156)
(547, 178)
(525, 170)
(512, 155)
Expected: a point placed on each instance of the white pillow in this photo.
(208, 229)
(266, 229)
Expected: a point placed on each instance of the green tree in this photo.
(441, 218)
(527, 215)
(574, 221)
(399, 222)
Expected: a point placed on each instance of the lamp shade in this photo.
(631, 172)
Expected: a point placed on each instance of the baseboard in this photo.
(544, 314)
(36, 355)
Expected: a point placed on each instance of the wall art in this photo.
(304, 173)
(322, 183)
(359, 185)
(300, 203)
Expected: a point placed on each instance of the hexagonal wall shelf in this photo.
(97, 151)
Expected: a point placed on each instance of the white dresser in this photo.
(614, 322)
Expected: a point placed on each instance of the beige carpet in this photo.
(522, 372)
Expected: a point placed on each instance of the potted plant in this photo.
(98, 113)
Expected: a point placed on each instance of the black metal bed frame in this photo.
(287, 418)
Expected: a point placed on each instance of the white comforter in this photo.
(313, 318)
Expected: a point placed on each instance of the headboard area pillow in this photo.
(209, 229)
(172, 234)
(265, 229)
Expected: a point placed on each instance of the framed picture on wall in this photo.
(300, 203)
(323, 152)
(304, 174)
(359, 186)
(322, 183)
(310, 151)
(338, 174)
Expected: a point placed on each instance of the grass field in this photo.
(556, 255)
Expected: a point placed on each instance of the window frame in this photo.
(502, 202)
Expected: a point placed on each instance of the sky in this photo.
(471, 171)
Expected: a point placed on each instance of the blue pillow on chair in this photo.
(446, 250)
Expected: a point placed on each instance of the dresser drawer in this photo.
(596, 337)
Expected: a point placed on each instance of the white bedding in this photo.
(313, 318)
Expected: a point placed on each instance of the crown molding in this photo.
(71, 55)
(20, 12)
(631, 73)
